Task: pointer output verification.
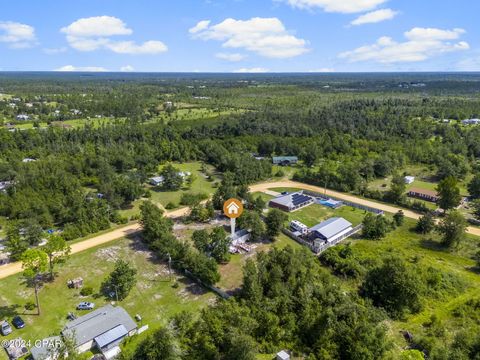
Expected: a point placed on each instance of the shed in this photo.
(284, 160)
(282, 355)
(409, 179)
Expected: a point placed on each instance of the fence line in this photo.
(346, 202)
(216, 290)
(319, 248)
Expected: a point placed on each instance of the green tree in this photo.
(397, 189)
(452, 227)
(394, 286)
(121, 280)
(34, 264)
(375, 227)
(220, 245)
(251, 221)
(57, 251)
(15, 246)
(448, 193)
(425, 224)
(475, 204)
(274, 222)
(201, 240)
(474, 186)
(158, 346)
(399, 218)
(172, 180)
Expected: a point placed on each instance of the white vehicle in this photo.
(85, 306)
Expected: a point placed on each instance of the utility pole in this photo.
(169, 266)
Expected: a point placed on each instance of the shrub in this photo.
(170, 206)
(86, 291)
(30, 306)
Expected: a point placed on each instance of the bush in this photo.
(30, 306)
(192, 199)
(86, 291)
(170, 206)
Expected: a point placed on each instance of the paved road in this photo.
(16, 267)
(263, 187)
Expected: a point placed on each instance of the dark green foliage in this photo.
(474, 186)
(160, 345)
(157, 233)
(172, 180)
(342, 260)
(216, 244)
(399, 218)
(426, 224)
(86, 291)
(448, 193)
(192, 199)
(396, 193)
(274, 222)
(251, 221)
(452, 227)
(120, 281)
(375, 227)
(394, 286)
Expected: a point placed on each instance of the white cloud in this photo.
(81, 68)
(127, 68)
(202, 25)
(421, 44)
(93, 33)
(323, 70)
(230, 57)
(97, 26)
(17, 35)
(264, 36)
(337, 6)
(251, 70)
(129, 47)
(375, 17)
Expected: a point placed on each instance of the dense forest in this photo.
(347, 130)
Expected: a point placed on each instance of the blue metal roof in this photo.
(111, 336)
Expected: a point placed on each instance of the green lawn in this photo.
(314, 214)
(190, 114)
(425, 250)
(162, 198)
(154, 296)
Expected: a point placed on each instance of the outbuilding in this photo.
(291, 202)
(424, 194)
(331, 229)
(284, 160)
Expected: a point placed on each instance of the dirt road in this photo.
(263, 187)
(16, 267)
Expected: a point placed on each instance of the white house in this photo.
(22, 117)
(471, 121)
(156, 180)
(409, 179)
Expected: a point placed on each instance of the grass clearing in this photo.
(154, 296)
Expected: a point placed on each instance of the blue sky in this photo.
(240, 35)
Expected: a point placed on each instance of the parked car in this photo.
(85, 306)
(5, 328)
(18, 322)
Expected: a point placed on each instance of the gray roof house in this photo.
(284, 160)
(47, 349)
(291, 202)
(156, 180)
(331, 229)
(103, 328)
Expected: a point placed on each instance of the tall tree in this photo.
(453, 227)
(121, 280)
(274, 222)
(34, 264)
(172, 180)
(397, 189)
(425, 224)
(57, 250)
(474, 186)
(448, 193)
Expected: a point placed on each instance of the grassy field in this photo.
(314, 214)
(154, 296)
(74, 123)
(189, 114)
(162, 198)
(426, 251)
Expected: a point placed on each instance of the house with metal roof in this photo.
(331, 229)
(104, 329)
(424, 194)
(284, 160)
(156, 180)
(291, 202)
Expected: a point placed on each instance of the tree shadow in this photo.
(9, 311)
(431, 244)
(192, 287)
